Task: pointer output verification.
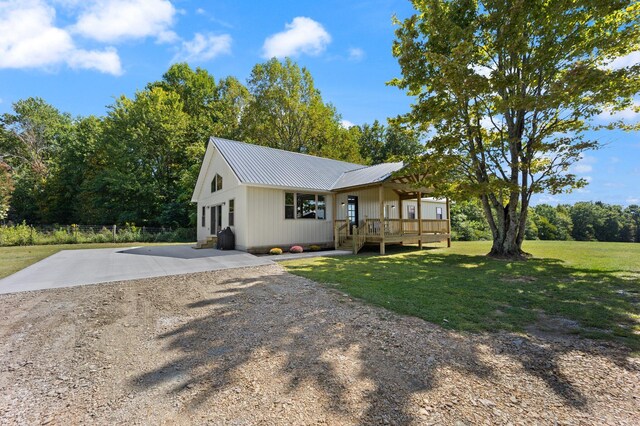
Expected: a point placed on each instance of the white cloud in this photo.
(203, 48)
(114, 20)
(632, 58)
(356, 54)
(633, 200)
(106, 61)
(29, 39)
(346, 124)
(200, 11)
(584, 165)
(628, 114)
(482, 70)
(302, 35)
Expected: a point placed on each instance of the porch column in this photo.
(448, 223)
(419, 200)
(400, 216)
(334, 217)
(381, 216)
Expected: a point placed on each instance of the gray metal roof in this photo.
(366, 175)
(255, 164)
(268, 166)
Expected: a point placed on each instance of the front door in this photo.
(216, 219)
(352, 211)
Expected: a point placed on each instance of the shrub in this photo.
(314, 248)
(275, 251)
(296, 249)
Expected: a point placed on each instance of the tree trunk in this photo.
(506, 231)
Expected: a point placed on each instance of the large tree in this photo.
(286, 111)
(509, 88)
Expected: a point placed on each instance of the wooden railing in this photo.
(341, 232)
(359, 238)
(374, 227)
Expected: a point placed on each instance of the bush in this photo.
(296, 249)
(275, 251)
(315, 248)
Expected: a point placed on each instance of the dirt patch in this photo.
(260, 346)
(518, 279)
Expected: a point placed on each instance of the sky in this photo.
(79, 55)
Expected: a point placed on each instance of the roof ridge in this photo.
(215, 138)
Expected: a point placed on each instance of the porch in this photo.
(385, 222)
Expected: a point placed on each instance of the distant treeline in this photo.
(583, 221)
(138, 164)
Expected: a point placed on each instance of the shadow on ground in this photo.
(310, 338)
(177, 252)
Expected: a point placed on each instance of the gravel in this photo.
(261, 346)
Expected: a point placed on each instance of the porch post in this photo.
(334, 217)
(448, 223)
(381, 216)
(400, 216)
(419, 200)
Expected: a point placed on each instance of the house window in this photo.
(289, 205)
(216, 183)
(411, 212)
(204, 218)
(232, 209)
(304, 206)
(439, 213)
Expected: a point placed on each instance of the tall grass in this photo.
(23, 234)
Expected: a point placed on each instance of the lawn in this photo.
(13, 259)
(586, 288)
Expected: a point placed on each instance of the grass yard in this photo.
(586, 288)
(13, 259)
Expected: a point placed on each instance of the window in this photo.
(204, 218)
(439, 213)
(289, 205)
(411, 212)
(232, 208)
(304, 206)
(216, 183)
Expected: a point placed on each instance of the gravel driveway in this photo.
(260, 346)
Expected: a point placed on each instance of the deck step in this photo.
(210, 242)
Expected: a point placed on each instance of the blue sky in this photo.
(80, 55)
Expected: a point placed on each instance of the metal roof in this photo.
(366, 175)
(275, 167)
(260, 165)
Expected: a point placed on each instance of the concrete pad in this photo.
(70, 268)
(309, 254)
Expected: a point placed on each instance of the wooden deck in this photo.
(390, 231)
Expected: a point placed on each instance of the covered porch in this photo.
(383, 219)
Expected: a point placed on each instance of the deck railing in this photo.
(341, 232)
(397, 227)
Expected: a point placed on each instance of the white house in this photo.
(275, 198)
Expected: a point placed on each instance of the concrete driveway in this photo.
(70, 268)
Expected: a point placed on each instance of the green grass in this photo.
(588, 288)
(13, 259)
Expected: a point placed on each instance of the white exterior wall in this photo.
(231, 189)
(428, 208)
(267, 226)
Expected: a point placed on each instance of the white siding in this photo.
(231, 189)
(268, 227)
(428, 208)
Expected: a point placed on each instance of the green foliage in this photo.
(286, 111)
(509, 89)
(468, 222)
(379, 143)
(23, 234)
(6, 189)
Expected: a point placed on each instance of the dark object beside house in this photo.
(226, 239)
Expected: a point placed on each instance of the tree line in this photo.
(582, 221)
(139, 162)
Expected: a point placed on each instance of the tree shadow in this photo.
(313, 337)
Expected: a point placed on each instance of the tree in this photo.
(6, 188)
(509, 87)
(379, 143)
(30, 141)
(286, 111)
